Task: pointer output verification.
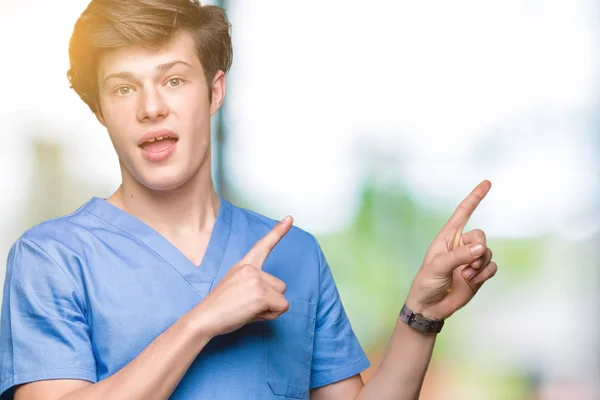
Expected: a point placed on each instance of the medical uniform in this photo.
(85, 293)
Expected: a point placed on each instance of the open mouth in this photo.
(158, 144)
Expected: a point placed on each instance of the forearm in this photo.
(157, 370)
(401, 373)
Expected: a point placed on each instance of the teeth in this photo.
(157, 138)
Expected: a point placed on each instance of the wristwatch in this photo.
(419, 322)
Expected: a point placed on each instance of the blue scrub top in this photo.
(85, 293)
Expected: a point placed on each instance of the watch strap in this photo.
(419, 322)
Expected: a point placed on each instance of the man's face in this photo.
(155, 105)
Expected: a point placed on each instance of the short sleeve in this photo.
(337, 354)
(43, 333)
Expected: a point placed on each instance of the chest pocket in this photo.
(288, 350)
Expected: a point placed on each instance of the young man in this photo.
(164, 290)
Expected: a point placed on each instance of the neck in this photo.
(190, 208)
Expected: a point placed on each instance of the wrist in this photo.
(419, 306)
(200, 325)
(415, 305)
(419, 322)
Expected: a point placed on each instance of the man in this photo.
(164, 290)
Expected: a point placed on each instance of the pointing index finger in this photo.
(465, 209)
(261, 249)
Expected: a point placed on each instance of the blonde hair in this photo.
(110, 24)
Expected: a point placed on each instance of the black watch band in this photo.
(419, 322)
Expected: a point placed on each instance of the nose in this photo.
(152, 106)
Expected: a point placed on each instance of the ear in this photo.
(219, 87)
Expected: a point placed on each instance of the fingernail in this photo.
(477, 250)
(286, 219)
(468, 273)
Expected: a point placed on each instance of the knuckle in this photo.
(487, 273)
(285, 306)
(493, 269)
(248, 270)
(463, 206)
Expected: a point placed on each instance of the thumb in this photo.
(459, 256)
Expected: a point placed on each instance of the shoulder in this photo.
(297, 239)
(53, 244)
(59, 229)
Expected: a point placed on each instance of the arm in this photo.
(153, 374)
(402, 370)
(403, 366)
(454, 268)
(244, 295)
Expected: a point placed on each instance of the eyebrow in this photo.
(161, 68)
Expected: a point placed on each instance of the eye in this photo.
(123, 90)
(175, 82)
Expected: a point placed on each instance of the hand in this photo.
(246, 294)
(455, 266)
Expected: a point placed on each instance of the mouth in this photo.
(158, 141)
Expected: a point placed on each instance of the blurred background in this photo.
(369, 122)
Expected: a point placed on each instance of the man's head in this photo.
(157, 68)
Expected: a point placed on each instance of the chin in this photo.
(169, 176)
(163, 179)
(162, 185)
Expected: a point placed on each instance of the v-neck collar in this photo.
(200, 277)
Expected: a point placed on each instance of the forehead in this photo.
(139, 60)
